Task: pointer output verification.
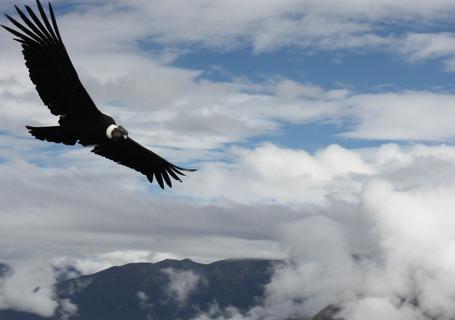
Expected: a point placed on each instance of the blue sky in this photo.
(368, 71)
(363, 70)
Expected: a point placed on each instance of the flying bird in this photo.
(80, 121)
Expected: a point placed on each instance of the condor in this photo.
(80, 121)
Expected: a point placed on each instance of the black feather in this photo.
(24, 29)
(20, 35)
(32, 14)
(166, 177)
(159, 179)
(46, 20)
(27, 21)
(54, 22)
(173, 175)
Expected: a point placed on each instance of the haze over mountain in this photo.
(167, 290)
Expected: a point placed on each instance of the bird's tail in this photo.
(52, 134)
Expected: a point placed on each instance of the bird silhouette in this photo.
(80, 121)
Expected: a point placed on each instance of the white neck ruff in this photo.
(109, 130)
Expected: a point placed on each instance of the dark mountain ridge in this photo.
(166, 290)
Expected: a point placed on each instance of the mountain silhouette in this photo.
(167, 290)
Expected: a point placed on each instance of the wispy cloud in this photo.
(182, 283)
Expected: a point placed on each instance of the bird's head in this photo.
(116, 133)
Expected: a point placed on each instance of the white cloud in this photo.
(181, 110)
(268, 174)
(237, 196)
(418, 47)
(386, 252)
(380, 229)
(409, 115)
(329, 25)
(29, 288)
(264, 24)
(381, 308)
(421, 46)
(402, 266)
(67, 309)
(182, 283)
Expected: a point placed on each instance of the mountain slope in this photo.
(167, 290)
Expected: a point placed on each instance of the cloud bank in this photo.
(386, 251)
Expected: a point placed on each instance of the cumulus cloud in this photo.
(267, 173)
(241, 220)
(405, 270)
(378, 236)
(387, 252)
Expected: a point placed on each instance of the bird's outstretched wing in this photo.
(49, 65)
(131, 154)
